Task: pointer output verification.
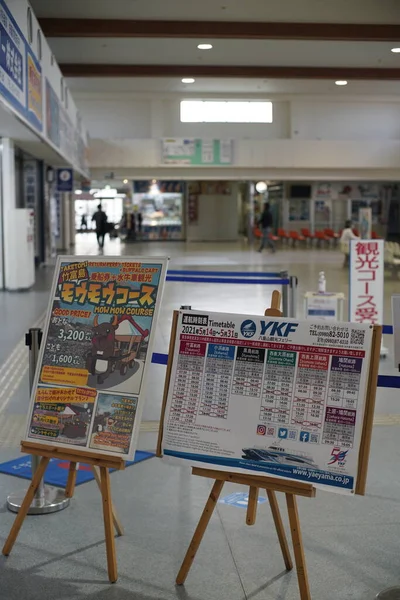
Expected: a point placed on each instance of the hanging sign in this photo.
(97, 343)
(366, 281)
(65, 180)
(196, 152)
(271, 395)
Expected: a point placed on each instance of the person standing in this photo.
(265, 222)
(347, 235)
(100, 218)
(140, 221)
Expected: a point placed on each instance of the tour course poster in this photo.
(97, 344)
(277, 396)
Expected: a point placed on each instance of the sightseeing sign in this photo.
(97, 344)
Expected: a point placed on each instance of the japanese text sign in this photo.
(366, 281)
(274, 396)
(89, 387)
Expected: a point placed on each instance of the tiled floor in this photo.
(351, 543)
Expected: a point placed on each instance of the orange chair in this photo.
(330, 233)
(282, 235)
(375, 236)
(356, 232)
(296, 237)
(307, 234)
(256, 231)
(320, 236)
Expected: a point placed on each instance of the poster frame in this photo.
(366, 430)
(51, 442)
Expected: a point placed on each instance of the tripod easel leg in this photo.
(19, 519)
(200, 530)
(117, 523)
(108, 524)
(273, 502)
(71, 481)
(298, 548)
(252, 505)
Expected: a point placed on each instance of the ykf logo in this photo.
(248, 328)
(277, 328)
(338, 457)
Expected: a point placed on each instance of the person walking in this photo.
(265, 223)
(100, 218)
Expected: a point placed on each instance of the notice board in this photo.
(276, 396)
(97, 345)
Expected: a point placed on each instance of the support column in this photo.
(17, 229)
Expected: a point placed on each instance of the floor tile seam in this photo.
(225, 532)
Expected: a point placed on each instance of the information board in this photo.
(191, 151)
(271, 395)
(97, 343)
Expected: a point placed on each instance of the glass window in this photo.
(219, 111)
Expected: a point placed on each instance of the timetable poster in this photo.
(89, 385)
(267, 394)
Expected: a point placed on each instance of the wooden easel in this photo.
(95, 460)
(290, 488)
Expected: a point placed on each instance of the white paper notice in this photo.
(271, 395)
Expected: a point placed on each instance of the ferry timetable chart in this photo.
(188, 381)
(278, 386)
(217, 381)
(249, 368)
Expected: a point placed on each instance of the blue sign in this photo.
(239, 499)
(20, 71)
(304, 436)
(65, 180)
(282, 433)
(12, 60)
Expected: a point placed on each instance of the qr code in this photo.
(357, 337)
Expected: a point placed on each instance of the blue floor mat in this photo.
(57, 471)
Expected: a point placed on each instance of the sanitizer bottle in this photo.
(321, 283)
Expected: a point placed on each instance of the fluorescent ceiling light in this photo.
(188, 80)
(341, 82)
(261, 187)
(204, 46)
(78, 192)
(396, 50)
(125, 181)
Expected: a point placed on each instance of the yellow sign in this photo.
(34, 89)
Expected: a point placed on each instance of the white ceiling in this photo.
(226, 52)
(238, 87)
(335, 11)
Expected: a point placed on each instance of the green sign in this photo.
(195, 152)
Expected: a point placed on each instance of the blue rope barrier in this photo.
(231, 280)
(224, 273)
(159, 359)
(386, 381)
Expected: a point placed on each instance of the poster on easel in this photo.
(97, 343)
(270, 396)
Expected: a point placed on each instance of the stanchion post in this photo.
(285, 295)
(293, 296)
(46, 499)
(33, 340)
